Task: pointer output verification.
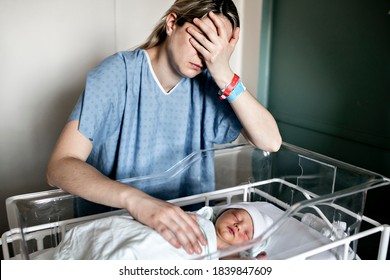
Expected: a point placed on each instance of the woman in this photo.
(143, 110)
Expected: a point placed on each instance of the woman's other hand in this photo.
(175, 225)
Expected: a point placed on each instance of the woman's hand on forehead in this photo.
(207, 24)
(213, 38)
(215, 23)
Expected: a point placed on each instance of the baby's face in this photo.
(233, 226)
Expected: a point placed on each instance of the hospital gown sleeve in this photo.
(103, 99)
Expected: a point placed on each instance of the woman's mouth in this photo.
(196, 66)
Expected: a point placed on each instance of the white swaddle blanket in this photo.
(123, 238)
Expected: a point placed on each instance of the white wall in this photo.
(250, 40)
(46, 49)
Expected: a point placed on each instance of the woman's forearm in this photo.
(78, 177)
(259, 125)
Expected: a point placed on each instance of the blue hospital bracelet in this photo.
(236, 92)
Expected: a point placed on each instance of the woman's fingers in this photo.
(220, 28)
(209, 36)
(174, 225)
(169, 236)
(177, 226)
(189, 233)
(200, 42)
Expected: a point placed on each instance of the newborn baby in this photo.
(240, 222)
(121, 237)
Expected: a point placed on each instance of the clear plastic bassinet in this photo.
(317, 203)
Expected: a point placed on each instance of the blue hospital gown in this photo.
(137, 129)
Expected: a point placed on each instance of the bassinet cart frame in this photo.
(16, 243)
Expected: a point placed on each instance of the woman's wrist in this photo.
(224, 80)
(233, 90)
(129, 197)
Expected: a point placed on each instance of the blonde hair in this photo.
(186, 11)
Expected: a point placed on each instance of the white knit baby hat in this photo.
(260, 221)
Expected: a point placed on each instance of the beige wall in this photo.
(46, 49)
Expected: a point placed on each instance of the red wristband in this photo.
(226, 92)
